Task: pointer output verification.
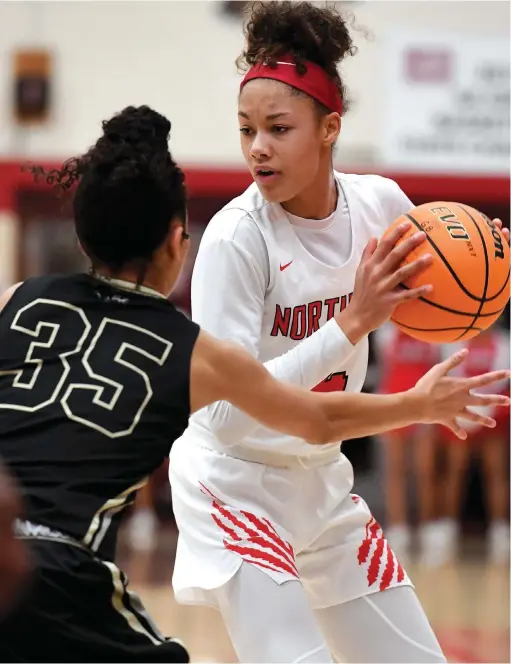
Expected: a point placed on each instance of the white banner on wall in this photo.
(446, 105)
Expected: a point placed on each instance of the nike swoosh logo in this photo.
(284, 267)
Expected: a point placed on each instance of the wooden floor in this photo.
(467, 604)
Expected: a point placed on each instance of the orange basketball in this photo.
(469, 274)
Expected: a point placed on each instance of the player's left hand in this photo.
(504, 231)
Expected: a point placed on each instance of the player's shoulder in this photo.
(6, 295)
(236, 214)
(238, 222)
(380, 186)
(26, 293)
(29, 289)
(380, 193)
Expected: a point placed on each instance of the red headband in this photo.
(315, 82)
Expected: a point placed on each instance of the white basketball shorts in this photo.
(293, 523)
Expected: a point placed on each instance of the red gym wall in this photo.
(210, 189)
(43, 244)
(218, 183)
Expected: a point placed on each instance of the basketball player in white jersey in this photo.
(130, 213)
(269, 532)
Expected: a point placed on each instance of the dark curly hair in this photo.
(308, 32)
(128, 190)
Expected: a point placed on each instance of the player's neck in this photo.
(130, 277)
(317, 201)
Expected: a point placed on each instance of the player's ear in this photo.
(331, 128)
(178, 238)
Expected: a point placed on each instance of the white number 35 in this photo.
(112, 387)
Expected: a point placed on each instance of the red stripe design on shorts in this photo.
(247, 550)
(272, 535)
(374, 566)
(228, 530)
(388, 572)
(375, 553)
(375, 530)
(287, 546)
(365, 547)
(263, 546)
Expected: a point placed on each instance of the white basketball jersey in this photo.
(258, 281)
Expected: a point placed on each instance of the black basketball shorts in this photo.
(78, 609)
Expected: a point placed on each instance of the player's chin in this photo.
(274, 191)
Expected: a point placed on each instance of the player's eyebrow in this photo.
(271, 116)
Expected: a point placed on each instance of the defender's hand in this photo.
(446, 398)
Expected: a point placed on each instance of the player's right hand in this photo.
(445, 398)
(377, 290)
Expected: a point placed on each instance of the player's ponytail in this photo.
(304, 31)
(128, 190)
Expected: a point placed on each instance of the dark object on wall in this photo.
(32, 77)
(234, 8)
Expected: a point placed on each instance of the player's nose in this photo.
(260, 148)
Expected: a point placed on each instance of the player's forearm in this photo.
(306, 365)
(235, 376)
(352, 415)
(313, 359)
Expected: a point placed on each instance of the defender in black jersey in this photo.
(103, 392)
(94, 387)
(98, 375)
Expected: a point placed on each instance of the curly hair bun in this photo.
(128, 189)
(138, 127)
(309, 32)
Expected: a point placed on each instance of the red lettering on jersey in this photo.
(299, 323)
(281, 322)
(304, 318)
(313, 315)
(335, 382)
(330, 303)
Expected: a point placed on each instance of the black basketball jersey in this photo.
(94, 388)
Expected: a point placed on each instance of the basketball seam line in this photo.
(453, 311)
(434, 329)
(446, 263)
(487, 272)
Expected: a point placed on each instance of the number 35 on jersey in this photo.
(100, 376)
